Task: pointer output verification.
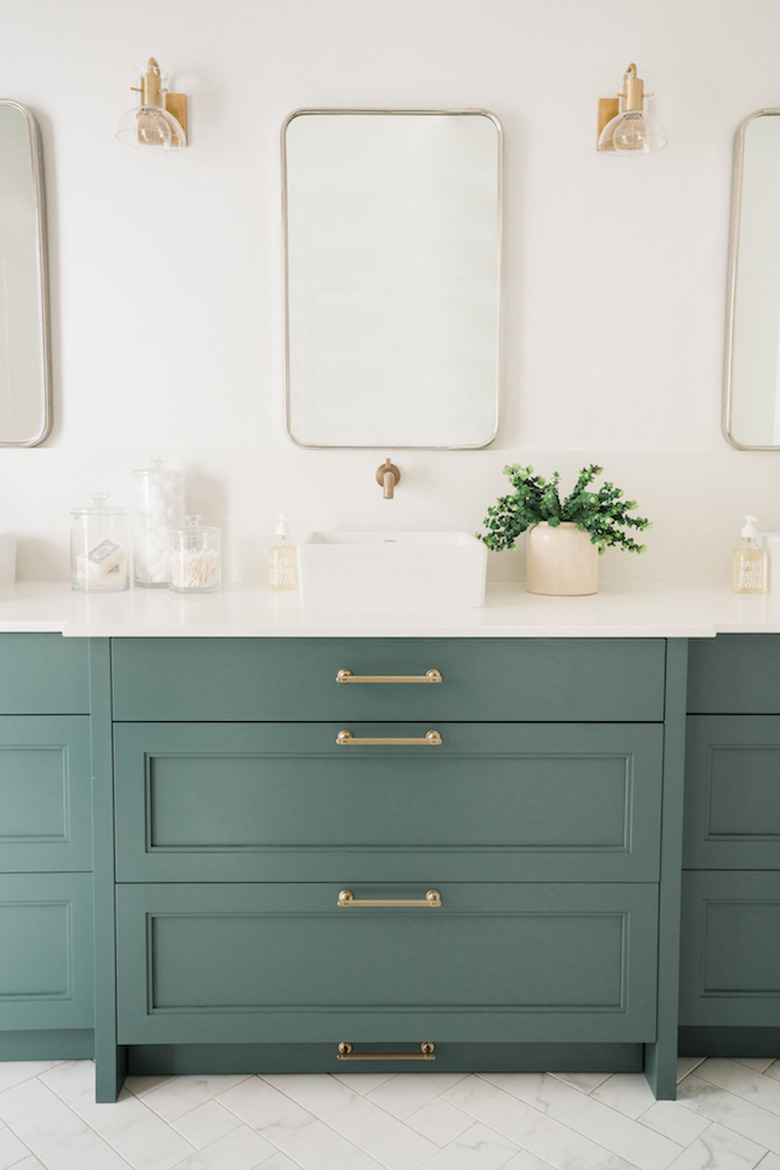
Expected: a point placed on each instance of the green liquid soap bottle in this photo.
(282, 560)
(748, 565)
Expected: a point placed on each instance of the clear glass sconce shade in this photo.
(633, 132)
(145, 126)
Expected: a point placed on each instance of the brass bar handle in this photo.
(432, 900)
(431, 739)
(431, 676)
(427, 1052)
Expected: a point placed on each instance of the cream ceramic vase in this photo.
(561, 561)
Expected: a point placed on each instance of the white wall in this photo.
(166, 270)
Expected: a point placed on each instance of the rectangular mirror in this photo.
(752, 384)
(392, 250)
(25, 381)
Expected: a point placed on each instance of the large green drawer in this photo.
(275, 964)
(45, 793)
(46, 956)
(261, 802)
(280, 679)
(43, 674)
(730, 974)
(734, 674)
(732, 792)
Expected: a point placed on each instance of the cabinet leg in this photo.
(661, 1069)
(110, 1073)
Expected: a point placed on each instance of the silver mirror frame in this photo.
(499, 276)
(44, 340)
(731, 301)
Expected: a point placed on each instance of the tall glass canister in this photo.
(158, 504)
(98, 547)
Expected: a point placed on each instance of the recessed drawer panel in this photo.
(43, 674)
(45, 793)
(730, 974)
(46, 953)
(244, 963)
(732, 796)
(531, 680)
(491, 801)
(734, 674)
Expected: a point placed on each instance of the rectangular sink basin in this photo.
(393, 570)
(7, 559)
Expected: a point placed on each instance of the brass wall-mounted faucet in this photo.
(388, 476)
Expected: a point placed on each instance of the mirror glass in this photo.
(752, 399)
(25, 394)
(392, 241)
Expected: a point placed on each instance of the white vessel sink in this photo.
(395, 570)
(7, 559)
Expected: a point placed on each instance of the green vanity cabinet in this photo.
(534, 789)
(46, 913)
(730, 988)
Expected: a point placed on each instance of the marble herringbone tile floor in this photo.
(727, 1117)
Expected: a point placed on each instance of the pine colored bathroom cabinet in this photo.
(730, 989)
(46, 913)
(539, 820)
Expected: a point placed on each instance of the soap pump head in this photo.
(749, 531)
(281, 528)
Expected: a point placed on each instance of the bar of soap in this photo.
(101, 560)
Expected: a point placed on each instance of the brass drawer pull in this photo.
(432, 739)
(431, 900)
(346, 676)
(427, 1052)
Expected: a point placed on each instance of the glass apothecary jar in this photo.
(98, 547)
(195, 557)
(158, 505)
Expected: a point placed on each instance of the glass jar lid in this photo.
(192, 526)
(99, 507)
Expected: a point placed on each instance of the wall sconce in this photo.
(625, 127)
(160, 118)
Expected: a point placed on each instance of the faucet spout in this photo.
(388, 476)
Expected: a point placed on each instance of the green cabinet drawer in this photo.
(292, 679)
(734, 674)
(43, 674)
(46, 954)
(732, 793)
(264, 802)
(730, 974)
(45, 793)
(276, 964)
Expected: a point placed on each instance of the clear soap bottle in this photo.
(282, 559)
(748, 565)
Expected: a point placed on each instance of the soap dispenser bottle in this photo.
(282, 559)
(748, 565)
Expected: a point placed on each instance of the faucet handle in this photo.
(388, 476)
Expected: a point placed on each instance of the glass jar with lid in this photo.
(195, 557)
(98, 547)
(158, 504)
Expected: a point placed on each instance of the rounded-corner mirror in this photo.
(751, 400)
(392, 227)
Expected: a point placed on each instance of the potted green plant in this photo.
(564, 536)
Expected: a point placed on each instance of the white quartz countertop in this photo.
(635, 611)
